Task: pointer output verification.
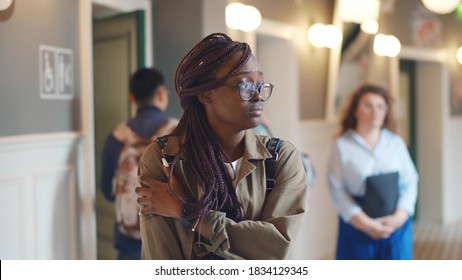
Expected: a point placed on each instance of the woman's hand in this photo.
(372, 227)
(396, 220)
(157, 198)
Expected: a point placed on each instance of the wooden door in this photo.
(117, 52)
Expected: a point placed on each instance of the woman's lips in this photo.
(256, 111)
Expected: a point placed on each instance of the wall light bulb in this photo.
(359, 10)
(252, 19)
(380, 44)
(5, 4)
(394, 46)
(233, 15)
(243, 17)
(441, 6)
(324, 36)
(332, 37)
(370, 26)
(316, 35)
(386, 45)
(459, 55)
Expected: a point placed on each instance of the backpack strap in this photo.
(162, 142)
(161, 138)
(166, 128)
(270, 164)
(125, 134)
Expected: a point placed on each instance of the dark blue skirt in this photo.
(353, 244)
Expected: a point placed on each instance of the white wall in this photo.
(40, 190)
(429, 123)
(318, 237)
(282, 109)
(274, 47)
(439, 138)
(452, 171)
(213, 14)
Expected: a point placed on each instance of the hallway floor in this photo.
(434, 242)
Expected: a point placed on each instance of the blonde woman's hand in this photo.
(372, 227)
(395, 220)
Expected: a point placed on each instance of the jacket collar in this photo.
(255, 148)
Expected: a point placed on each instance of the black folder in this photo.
(381, 195)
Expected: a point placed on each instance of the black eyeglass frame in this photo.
(258, 87)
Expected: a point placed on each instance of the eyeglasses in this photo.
(247, 90)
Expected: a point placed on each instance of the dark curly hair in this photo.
(349, 121)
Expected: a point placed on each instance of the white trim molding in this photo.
(43, 191)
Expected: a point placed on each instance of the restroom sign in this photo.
(56, 70)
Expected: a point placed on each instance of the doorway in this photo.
(407, 109)
(407, 103)
(87, 10)
(117, 52)
(119, 49)
(424, 124)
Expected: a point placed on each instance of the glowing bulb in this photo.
(459, 55)
(243, 17)
(380, 44)
(324, 36)
(5, 4)
(394, 46)
(252, 18)
(386, 45)
(441, 6)
(359, 10)
(370, 26)
(316, 34)
(233, 14)
(333, 36)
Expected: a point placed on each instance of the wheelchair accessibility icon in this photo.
(56, 73)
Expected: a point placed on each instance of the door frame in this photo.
(88, 219)
(432, 55)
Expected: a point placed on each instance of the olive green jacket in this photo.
(270, 224)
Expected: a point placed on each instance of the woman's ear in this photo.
(204, 97)
(132, 99)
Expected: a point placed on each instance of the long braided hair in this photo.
(196, 74)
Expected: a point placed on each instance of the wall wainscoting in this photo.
(40, 192)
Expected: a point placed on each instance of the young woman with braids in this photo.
(210, 201)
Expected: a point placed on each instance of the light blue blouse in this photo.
(352, 160)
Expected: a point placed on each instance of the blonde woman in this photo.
(368, 146)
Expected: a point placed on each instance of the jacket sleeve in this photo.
(158, 234)
(270, 236)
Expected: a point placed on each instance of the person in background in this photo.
(203, 188)
(148, 92)
(367, 146)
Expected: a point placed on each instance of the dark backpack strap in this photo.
(162, 141)
(270, 164)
